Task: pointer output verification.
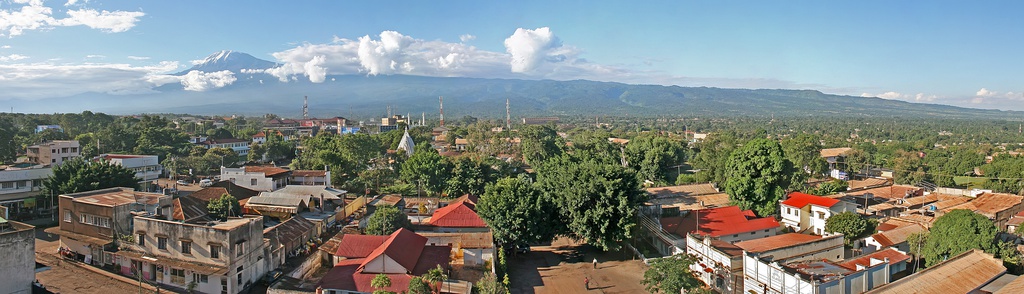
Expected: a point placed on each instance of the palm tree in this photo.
(436, 275)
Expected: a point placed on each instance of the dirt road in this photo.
(562, 267)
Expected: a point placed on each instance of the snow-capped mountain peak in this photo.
(229, 60)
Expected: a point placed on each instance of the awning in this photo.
(174, 263)
(78, 237)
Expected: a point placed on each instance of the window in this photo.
(239, 248)
(252, 182)
(753, 233)
(821, 215)
(161, 243)
(239, 270)
(214, 251)
(186, 247)
(94, 220)
(178, 276)
(224, 285)
(200, 278)
(7, 185)
(67, 215)
(23, 184)
(142, 240)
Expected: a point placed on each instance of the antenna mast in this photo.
(305, 107)
(441, 100)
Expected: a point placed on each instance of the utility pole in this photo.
(508, 115)
(441, 100)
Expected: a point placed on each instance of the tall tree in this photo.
(538, 143)
(671, 275)
(598, 202)
(758, 174)
(804, 151)
(957, 232)
(713, 154)
(427, 169)
(518, 212)
(467, 176)
(386, 220)
(651, 156)
(77, 175)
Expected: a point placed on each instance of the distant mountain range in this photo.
(357, 96)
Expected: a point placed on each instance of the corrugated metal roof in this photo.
(306, 192)
(961, 274)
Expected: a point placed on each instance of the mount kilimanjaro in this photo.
(359, 96)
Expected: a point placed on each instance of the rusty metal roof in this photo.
(961, 274)
(116, 196)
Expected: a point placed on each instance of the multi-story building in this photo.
(19, 186)
(146, 167)
(310, 178)
(53, 152)
(18, 247)
(259, 178)
(218, 257)
(41, 128)
(239, 146)
(728, 224)
(94, 223)
(808, 212)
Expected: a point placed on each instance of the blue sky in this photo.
(957, 53)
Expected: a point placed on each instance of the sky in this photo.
(946, 52)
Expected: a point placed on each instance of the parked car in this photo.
(182, 182)
(271, 277)
(205, 183)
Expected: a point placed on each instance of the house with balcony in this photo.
(805, 212)
(19, 186)
(146, 167)
(94, 223)
(222, 256)
(310, 178)
(53, 152)
(728, 224)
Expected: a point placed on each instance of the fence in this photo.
(351, 208)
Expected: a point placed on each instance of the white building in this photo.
(146, 167)
(259, 178)
(719, 263)
(17, 243)
(803, 212)
(53, 152)
(407, 144)
(220, 257)
(239, 146)
(20, 185)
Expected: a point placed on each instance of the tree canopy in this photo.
(518, 212)
(670, 274)
(386, 220)
(848, 223)
(758, 174)
(957, 232)
(597, 202)
(77, 175)
(224, 206)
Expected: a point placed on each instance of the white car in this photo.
(205, 183)
(182, 182)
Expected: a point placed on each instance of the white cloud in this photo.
(45, 80)
(314, 69)
(71, 2)
(138, 57)
(202, 81)
(5, 47)
(95, 56)
(529, 48)
(13, 57)
(32, 15)
(466, 38)
(892, 95)
(984, 93)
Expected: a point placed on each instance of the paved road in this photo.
(64, 277)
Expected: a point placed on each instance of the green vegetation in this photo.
(957, 232)
(386, 220)
(671, 274)
(379, 283)
(224, 207)
(77, 175)
(517, 212)
(758, 174)
(850, 224)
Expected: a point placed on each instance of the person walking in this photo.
(595, 263)
(586, 282)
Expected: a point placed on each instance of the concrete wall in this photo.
(244, 179)
(830, 248)
(17, 258)
(384, 264)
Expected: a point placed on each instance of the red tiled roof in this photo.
(403, 246)
(865, 260)
(799, 200)
(458, 214)
(269, 171)
(359, 246)
(717, 222)
(209, 193)
(346, 276)
(776, 242)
